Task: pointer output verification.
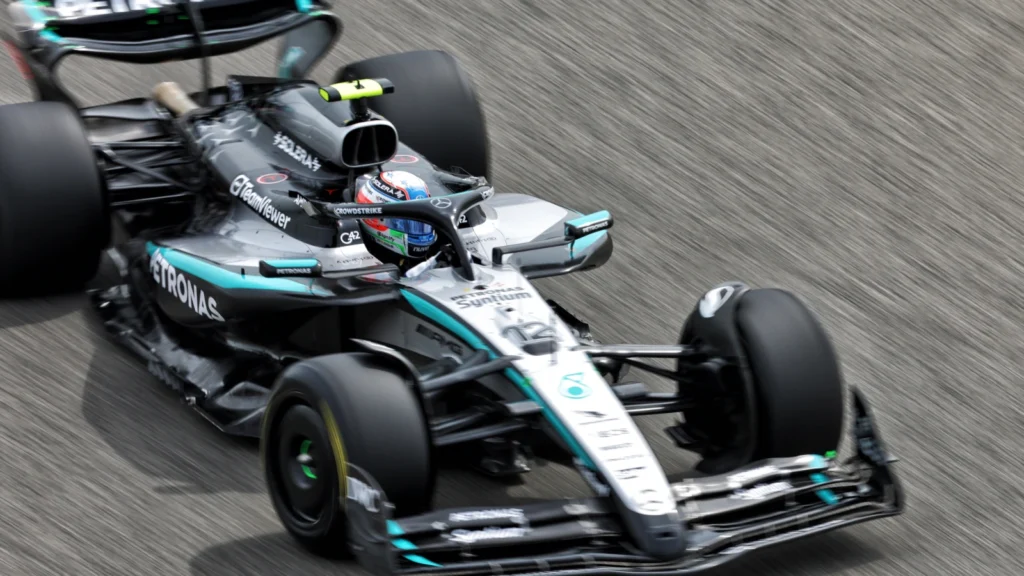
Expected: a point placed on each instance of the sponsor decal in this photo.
(762, 491)
(80, 8)
(528, 332)
(572, 386)
(594, 227)
(630, 473)
(379, 186)
(475, 245)
(297, 152)
(493, 296)
(294, 270)
(515, 514)
(715, 299)
(181, 287)
(595, 417)
(350, 237)
(352, 262)
(357, 211)
(405, 159)
(617, 446)
(752, 474)
(242, 187)
(300, 201)
(359, 492)
(626, 457)
(471, 536)
(441, 340)
(612, 433)
(441, 203)
(272, 178)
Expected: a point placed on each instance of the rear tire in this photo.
(54, 222)
(434, 107)
(380, 427)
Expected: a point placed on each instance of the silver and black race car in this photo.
(245, 284)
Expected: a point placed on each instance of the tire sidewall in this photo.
(332, 517)
(776, 340)
(331, 386)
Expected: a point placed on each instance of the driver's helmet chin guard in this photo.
(397, 241)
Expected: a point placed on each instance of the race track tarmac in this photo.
(865, 154)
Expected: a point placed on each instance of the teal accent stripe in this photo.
(587, 241)
(289, 59)
(421, 560)
(230, 280)
(589, 218)
(456, 327)
(303, 5)
(307, 263)
(827, 496)
(403, 544)
(591, 239)
(33, 12)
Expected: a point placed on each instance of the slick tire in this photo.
(798, 382)
(54, 222)
(434, 107)
(332, 412)
(797, 387)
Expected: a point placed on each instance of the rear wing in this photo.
(153, 31)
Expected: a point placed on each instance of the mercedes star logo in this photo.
(441, 203)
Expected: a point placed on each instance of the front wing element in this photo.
(725, 516)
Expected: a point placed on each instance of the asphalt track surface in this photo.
(866, 155)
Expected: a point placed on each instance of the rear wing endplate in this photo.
(161, 31)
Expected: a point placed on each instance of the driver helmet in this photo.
(396, 240)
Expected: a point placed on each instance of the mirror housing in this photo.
(586, 225)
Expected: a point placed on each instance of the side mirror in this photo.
(575, 230)
(587, 225)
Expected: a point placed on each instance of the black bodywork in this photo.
(172, 186)
(222, 347)
(185, 245)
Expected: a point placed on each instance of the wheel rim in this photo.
(303, 472)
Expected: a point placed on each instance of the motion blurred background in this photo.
(865, 154)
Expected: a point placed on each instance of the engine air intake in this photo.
(368, 144)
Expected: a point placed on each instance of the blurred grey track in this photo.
(864, 154)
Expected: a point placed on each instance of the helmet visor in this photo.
(418, 232)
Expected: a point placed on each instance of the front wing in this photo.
(725, 516)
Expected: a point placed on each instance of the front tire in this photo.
(797, 383)
(332, 412)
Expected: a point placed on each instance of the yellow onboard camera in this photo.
(357, 89)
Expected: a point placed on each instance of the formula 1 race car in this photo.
(247, 283)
